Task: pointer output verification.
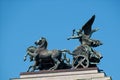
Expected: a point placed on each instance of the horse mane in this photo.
(44, 44)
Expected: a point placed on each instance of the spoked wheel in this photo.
(82, 61)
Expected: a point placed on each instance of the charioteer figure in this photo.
(87, 44)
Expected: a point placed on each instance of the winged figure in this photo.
(85, 32)
(84, 35)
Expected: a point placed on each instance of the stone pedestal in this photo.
(79, 74)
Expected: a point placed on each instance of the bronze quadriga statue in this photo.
(84, 56)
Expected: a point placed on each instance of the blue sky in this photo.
(22, 22)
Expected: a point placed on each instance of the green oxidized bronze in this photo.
(45, 59)
(84, 56)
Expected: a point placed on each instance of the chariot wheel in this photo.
(82, 61)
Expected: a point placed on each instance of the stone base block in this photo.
(79, 74)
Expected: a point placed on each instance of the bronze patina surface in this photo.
(84, 55)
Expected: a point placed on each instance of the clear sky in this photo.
(22, 22)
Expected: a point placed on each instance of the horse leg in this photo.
(29, 68)
(56, 64)
(25, 57)
(31, 58)
(66, 59)
(34, 66)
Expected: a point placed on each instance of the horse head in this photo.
(39, 42)
(31, 49)
(42, 43)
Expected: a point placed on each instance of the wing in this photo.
(87, 27)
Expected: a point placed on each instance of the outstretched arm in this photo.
(73, 37)
(25, 57)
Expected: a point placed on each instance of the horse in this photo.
(29, 50)
(41, 55)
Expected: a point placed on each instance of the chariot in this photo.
(84, 59)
